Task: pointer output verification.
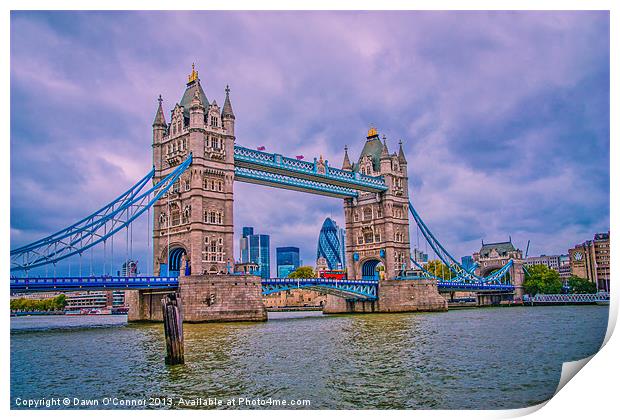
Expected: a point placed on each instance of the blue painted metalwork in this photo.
(174, 259)
(97, 227)
(368, 270)
(600, 297)
(489, 283)
(66, 284)
(461, 272)
(257, 176)
(302, 170)
(350, 289)
(90, 220)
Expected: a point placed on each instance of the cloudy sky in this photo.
(504, 115)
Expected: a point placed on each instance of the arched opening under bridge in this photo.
(175, 262)
(369, 270)
(487, 271)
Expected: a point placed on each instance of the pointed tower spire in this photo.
(384, 151)
(346, 163)
(227, 111)
(160, 120)
(401, 153)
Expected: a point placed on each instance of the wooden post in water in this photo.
(173, 329)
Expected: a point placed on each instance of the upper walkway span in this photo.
(316, 177)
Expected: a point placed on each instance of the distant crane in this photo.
(527, 248)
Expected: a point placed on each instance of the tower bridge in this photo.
(195, 163)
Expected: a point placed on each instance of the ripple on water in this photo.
(480, 358)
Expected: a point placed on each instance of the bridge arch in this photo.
(492, 268)
(488, 269)
(354, 289)
(369, 268)
(173, 260)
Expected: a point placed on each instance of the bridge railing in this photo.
(319, 280)
(567, 298)
(277, 161)
(84, 282)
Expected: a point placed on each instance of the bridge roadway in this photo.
(354, 289)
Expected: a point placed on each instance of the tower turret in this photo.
(228, 116)
(159, 130)
(346, 163)
(385, 162)
(196, 125)
(401, 153)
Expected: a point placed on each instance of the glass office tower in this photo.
(287, 260)
(331, 245)
(255, 248)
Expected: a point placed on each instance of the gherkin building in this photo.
(331, 245)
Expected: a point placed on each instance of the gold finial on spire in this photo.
(193, 76)
(372, 132)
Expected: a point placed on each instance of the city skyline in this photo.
(527, 142)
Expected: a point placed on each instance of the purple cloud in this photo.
(504, 115)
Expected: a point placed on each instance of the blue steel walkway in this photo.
(350, 289)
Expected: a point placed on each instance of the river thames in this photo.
(486, 358)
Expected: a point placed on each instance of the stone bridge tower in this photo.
(377, 224)
(493, 256)
(193, 222)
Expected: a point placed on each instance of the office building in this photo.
(255, 248)
(287, 260)
(590, 260)
(331, 245)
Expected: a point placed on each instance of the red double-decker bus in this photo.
(333, 274)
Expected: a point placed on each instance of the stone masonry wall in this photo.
(394, 296)
(221, 298)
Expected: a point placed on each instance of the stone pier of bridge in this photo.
(205, 298)
(393, 296)
(222, 298)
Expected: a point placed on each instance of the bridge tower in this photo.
(377, 224)
(193, 222)
(493, 256)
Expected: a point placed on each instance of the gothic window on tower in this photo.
(360, 240)
(379, 212)
(377, 237)
(162, 220)
(214, 121)
(175, 215)
(176, 186)
(220, 186)
(356, 217)
(184, 144)
(368, 237)
(367, 213)
(187, 184)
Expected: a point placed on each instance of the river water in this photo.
(462, 359)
